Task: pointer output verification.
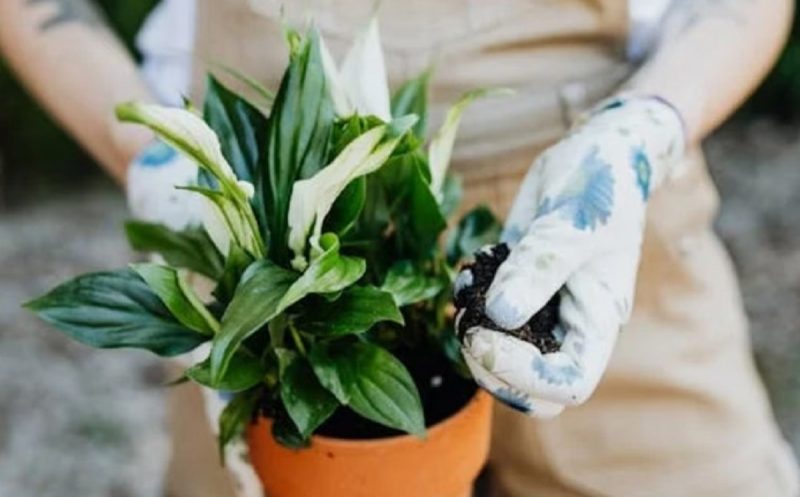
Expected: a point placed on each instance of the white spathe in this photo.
(313, 198)
(189, 134)
(360, 86)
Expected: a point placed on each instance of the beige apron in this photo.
(681, 411)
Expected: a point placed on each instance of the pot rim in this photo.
(479, 397)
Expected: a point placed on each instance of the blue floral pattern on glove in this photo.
(514, 399)
(556, 375)
(641, 167)
(156, 155)
(614, 103)
(588, 203)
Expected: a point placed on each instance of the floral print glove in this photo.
(152, 178)
(576, 227)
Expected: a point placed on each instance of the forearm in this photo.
(712, 55)
(71, 62)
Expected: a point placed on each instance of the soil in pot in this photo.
(443, 393)
(471, 303)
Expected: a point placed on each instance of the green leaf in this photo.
(451, 348)
(189, 134)
(346, 208)
(285, 432)
(348, 129)
(355, 311)
(264, 94)
(400, 202)
(235, 264)
(178, 296)
(441, 147)
(329, 272)
(313, 198)
(477, 228)
(408, 285)
(256, 301)
(242, 231)
(306, 401)
(190, 248)
(452, 192)
(297, 138)
(235, 417)
(238, 125)
(184, 130)
(412, 98)
(244, 371)
(267, 289)
(115, 309)
(418, 218)
(371, 381)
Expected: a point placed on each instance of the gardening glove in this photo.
(576, 227)
(152, 178)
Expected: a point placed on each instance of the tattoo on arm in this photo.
(70, 11)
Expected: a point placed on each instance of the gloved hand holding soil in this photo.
(470, 302)
(539, 317)
(540, 331)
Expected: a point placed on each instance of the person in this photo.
(615, 213)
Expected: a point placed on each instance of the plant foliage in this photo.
(320, 233)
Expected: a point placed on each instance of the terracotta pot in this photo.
(445, 464)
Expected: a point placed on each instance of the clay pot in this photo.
(445, 464)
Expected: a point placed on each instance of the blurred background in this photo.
(75, 422)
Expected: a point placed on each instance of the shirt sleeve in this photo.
(645, 26)
(166, 42)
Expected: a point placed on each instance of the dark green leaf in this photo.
(115, 309)
(286, 433)
(355, 311)
(178, 296)
(408, 284)
(235, 264)
(306, 401)
(255, 302)
(298, 135)
(477, 228)
(347, 207)
(263, 95)
(451, 348)
(244, 371)
(235, 418)
(190, 248)
(371, 381)
(412, 98)
(238, 125)
(412, 206)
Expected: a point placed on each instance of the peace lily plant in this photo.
(320, 235)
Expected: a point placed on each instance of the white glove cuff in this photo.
(151, 192)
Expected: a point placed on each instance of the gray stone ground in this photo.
(81, 423)
(757, 169)
(74, 422)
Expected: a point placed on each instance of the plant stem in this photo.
(298, 340)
